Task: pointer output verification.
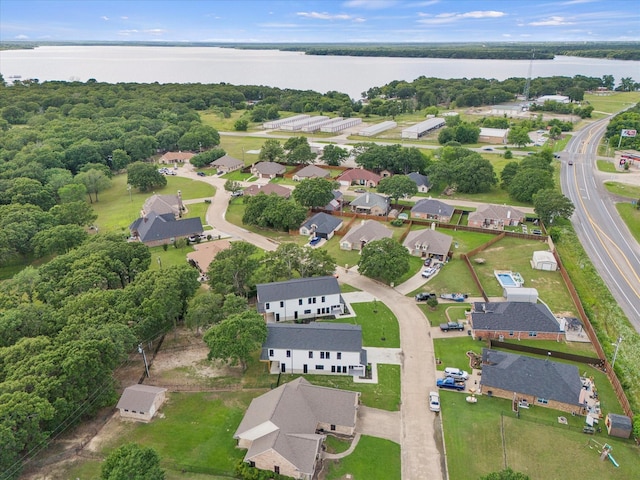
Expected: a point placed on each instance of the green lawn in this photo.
(438, 315)
(606, 166)
(612, 103)
(452, 351)
(198, 210)
(377, 322)
(453, 277)
(536, 444)
(171, 257)
(373, 458)
(631, 216)
(623, 189)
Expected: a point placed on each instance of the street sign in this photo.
(628, 133)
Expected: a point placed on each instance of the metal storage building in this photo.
(418, 130)
(315, 123)
(303, 122)
(520, 294)
(283, 121)
(339, 124)
(377, 128)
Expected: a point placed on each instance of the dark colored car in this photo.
(427, 262)
(424, 296)
(201, 174)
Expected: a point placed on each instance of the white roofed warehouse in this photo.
(422, 128)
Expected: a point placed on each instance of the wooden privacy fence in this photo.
(545, 352)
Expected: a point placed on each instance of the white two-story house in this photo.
(300, 298)
(315, 348)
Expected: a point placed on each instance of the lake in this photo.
(351, 75)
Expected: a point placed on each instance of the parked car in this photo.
(488, 149)
(201, 174)
(456, 373)
(434, 401)
(424, 296)
(536, 231)
(315, 241)
(428, 272)
(360, 190)
(427, 262)
(556, 155)
(449, 382)
(237, 193)
(445, 327)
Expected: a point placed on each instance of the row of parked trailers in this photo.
(307, 123)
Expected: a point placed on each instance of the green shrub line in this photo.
(606, 316)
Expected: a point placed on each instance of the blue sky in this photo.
(321, 21)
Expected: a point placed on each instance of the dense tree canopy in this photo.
(384, 260)
(145, 176)
(132, 462)
(550, 204)
(273, 211)
(398, 186)
(314, 192)
(233, 269)
(463, 169)
(394, 158)
(334, 155)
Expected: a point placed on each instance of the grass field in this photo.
(623, 189)
(606, 166)
(377, 322)
(631, 216)
(373, 458)
(612, 103)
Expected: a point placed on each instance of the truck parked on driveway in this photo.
(445, 327)
(451, 383)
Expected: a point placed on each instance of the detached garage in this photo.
(544, 260)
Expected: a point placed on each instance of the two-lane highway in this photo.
(606, 239)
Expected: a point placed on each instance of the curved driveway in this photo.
(421, 435)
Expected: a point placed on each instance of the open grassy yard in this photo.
(612, 103)
(453, 277)
(439, 314)
(631, 216)
(606, 166)
(536, 444)
(373, 458)
(452, 351)
(378, 323)
(623, 189)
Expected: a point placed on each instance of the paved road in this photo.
(605, 237)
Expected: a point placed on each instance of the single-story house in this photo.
(153, 229)
(493, 135)
(514, 320)
(430, 209)
(268, 169)
(315, 348)
(532, 381)
(371, 204)
(428, 243)
(205, 253)
(618, 425)
(311, 171)
(227, 164)
(267, 189)
(283, 429)
(163, 204)
(421, 181)
(176, 157)
(367, 231)
(359, 176)
(334, 205)
(141, 402)
(496, 217)
(321, 225)
(544, 260)
(300, 298)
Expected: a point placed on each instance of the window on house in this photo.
(299, 301)
(333, 369)
(318, 311)
(323, 299)
(266, 306)
(307, 312)
(308, 301)
(310, 354)
(271, 352)
(281, 304)
(321, 354)
(511, 334)
(276, 469)
(533, 334)
(333, 428)
(288, 353)
(319, 367)
(339, 354)
(252, 464)
(314, 299)
(543, 401)
(327, 355)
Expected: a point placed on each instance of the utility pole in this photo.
(144, 357)
(615, 354)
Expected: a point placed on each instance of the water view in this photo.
(352, 75)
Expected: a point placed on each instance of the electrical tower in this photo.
(527, 85)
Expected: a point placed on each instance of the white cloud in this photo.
(105, 18)
(450, 17)
(551, 22)
(279, 25)
(369, 4)
(324, 16)
(427, 3)
(155, 31)
(21, 37)
(128, 32)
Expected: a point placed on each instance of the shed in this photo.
(520, 294)
(141, 402)
(618, 425)
(544, 260)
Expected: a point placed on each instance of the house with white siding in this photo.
(315, 348)
(300, 298)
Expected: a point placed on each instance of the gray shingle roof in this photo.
(297, 288)
(289, 416)
(311, 171)
(435, 242)
(324, 223)
(336, 337)
(162, 204)
(620, 421)
(432, 207)
(371, 200)
(419, 179)
(495, 212)
(139, 398)
(162, 227)
(513, 316)
(227, 161)
(367, 232)
(532, 376)
(269, 168)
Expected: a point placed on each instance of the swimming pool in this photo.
(507, 279)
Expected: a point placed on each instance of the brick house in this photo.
(430, 209)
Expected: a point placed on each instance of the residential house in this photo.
(334, 205)
(268, 169)
(367, 231)
(227, 164)
(421, 181)
(371, 204)
(176, 157)
(284, 429)
(495, 217)
(321, 225)
(531, 381)
(315, 348)
(359, 176)
(153, 229)
(496, 136)
(514, 320)
(205, 253)
(141, 402)
(163, 204)
(430, 209)
(428, 243)
(300, 298)
(311, 171)
(267, 189)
